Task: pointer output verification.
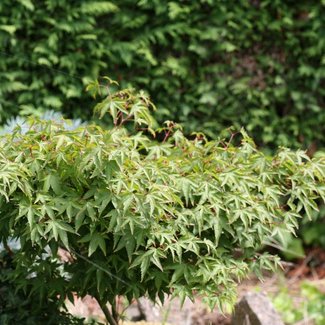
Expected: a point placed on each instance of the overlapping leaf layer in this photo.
(141, 216)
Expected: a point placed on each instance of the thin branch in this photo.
(115, 313)
(110, 319)
(7, 248)
(167, 134)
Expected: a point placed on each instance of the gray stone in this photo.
(255, 309)
(134, 313)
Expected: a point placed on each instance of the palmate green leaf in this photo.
(178, 273)
(30, 216)
(52, 181)
(80, 217)
(64, 226)
(63, 237)
(96, 241)
(111, 167)
(69, 210)
(58, 230)
(144, 261)
(103, 108)
(99, 278)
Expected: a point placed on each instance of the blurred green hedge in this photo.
(208, 64)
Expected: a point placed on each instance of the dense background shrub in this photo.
(140, 217)
(209, 64)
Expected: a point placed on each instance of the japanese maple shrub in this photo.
(145, 217)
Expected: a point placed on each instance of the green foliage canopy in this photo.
(180, 216)
(207, 64)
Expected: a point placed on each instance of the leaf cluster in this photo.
(25, 306)
(144, 217)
